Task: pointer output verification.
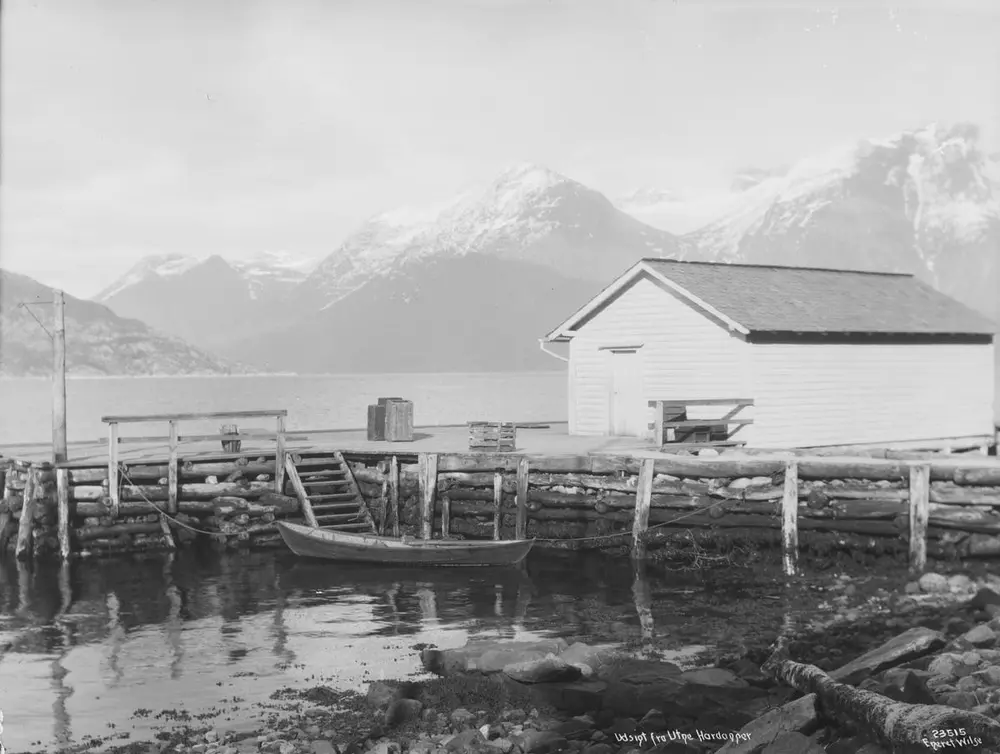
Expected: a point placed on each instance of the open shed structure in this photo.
(814, 357)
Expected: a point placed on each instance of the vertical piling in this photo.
(172, 475)
(428, 492)
(394, 494)
(279, 456)
(62, 497)
(521, 517)
(643, 499)
(920, 503)
(790, 518)
(24, 528)
(445, 515)
(113, 486)
(497, 504)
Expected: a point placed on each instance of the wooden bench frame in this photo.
(730, 419)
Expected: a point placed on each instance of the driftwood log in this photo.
(904, 727)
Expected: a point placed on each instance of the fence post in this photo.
(428, 492)
(643, 499)
(920, 503)
(790, 518)
(62, 496)
(113, 491)
(279, 456)
(172, 475)
(521, 517)
(658, 423)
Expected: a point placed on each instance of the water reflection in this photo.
(90, 644)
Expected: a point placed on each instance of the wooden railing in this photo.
(660, 425)
(174, 439)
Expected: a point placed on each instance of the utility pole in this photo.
(59, 451)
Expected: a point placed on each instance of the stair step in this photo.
(337, 518)
(335, 496)
(322, 473)
(327, 483)
(345, 527)
(317, 463)
(336, 507)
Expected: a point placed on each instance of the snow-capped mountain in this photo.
(98, 342)
(528, 213)
(273, 273)
(206, 301)
(675, 211)
(469, 313)
(925, 201)
(263, 272)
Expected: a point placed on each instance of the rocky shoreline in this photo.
(938, 643)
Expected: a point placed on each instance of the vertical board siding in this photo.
(847, 394)
(684, 355)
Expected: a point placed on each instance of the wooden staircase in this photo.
(328, 493)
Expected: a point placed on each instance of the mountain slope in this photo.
(459, 313)
(925, 201)
(206, 301)
(528, 214)
(98, 342)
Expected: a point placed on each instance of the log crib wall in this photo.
(938, 508)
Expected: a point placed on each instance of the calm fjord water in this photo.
(312, 401)
(83, 650)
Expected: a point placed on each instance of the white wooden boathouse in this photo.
(825, 357)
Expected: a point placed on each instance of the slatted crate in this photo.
(494, 436)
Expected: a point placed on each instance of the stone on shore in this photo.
(574, 697)
(934, 583)
(540, 741)
(487, 656)
(595, 657)
(980, 636)
(549, 669)
(799, 716)
(986, 600)
(909, 645)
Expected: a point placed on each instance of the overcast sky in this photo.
(133, 127)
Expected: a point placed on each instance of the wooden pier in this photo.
(930, 506)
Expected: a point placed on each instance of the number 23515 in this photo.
(949, 732)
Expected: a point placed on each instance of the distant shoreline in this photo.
(70, 377)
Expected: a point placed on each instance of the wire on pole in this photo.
(27, 308)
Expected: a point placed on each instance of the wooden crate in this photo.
(376, 422)
(230, 446)
(494, 436)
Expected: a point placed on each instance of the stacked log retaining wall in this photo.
(953, 509)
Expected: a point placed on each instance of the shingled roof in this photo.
(793, 300)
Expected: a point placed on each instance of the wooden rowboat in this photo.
(330, 544)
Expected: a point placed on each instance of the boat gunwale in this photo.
(368, 540)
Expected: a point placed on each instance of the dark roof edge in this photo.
(827, 336)
(777, 267)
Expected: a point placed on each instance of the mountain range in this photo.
(471, 284)
(98, 341)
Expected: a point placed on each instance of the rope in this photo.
(166, 515)
(625, 533)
